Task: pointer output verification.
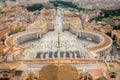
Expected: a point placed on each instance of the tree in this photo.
(13, 31)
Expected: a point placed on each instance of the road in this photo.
(58, 21)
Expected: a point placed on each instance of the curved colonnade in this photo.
(30, 34)
(104, 45)
(102, 48)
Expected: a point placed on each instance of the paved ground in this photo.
(68, 41)
(49, 42)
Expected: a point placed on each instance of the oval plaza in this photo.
(61, 40)
(58, 37)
